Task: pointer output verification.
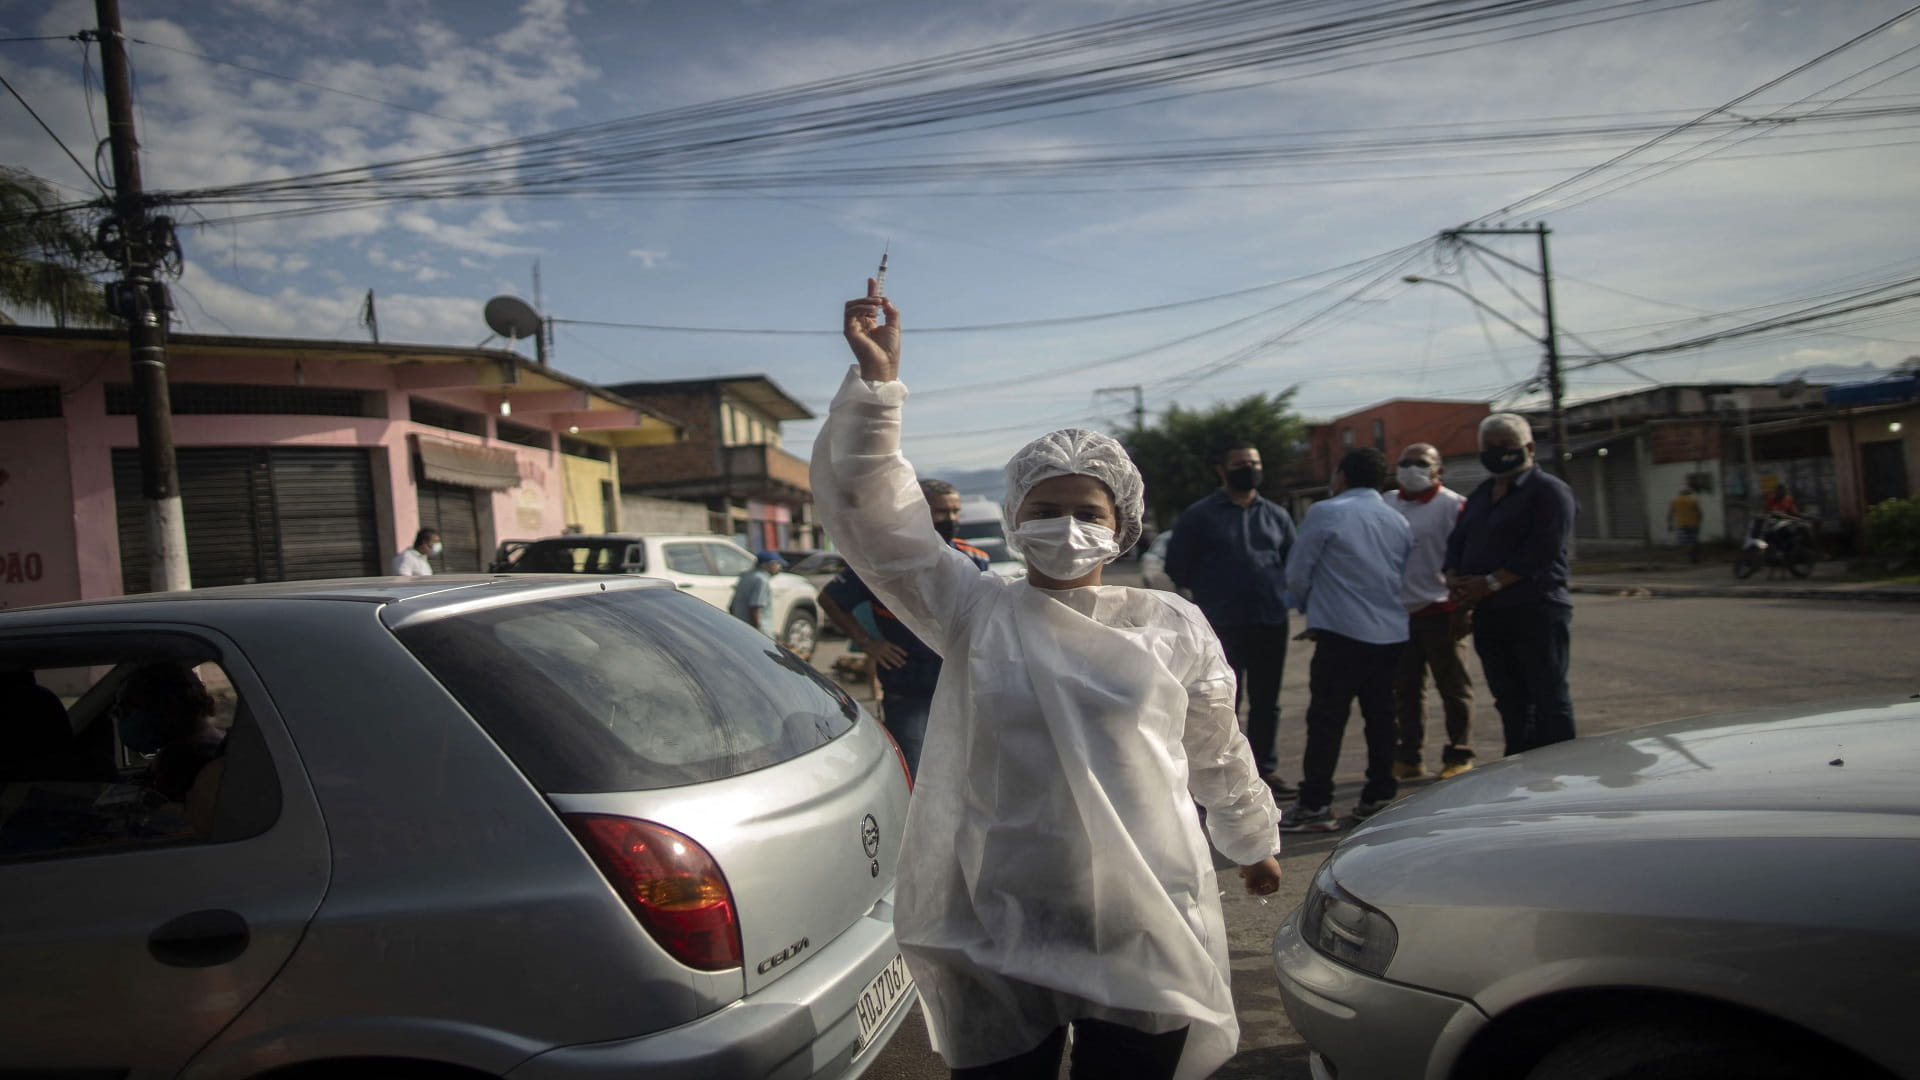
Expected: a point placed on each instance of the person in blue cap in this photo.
(753, 593)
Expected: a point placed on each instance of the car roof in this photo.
(439, 592)
(574, 538)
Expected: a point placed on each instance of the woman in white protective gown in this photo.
(1053, 871)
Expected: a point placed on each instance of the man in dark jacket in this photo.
(1230, 551)
(1507, 559)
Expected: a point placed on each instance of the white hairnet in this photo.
(1079, 452)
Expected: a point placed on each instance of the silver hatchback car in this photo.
(1730, 896)
(538, 827)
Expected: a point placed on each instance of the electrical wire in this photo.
(1523, 204)
(50, 134)
(625, 155)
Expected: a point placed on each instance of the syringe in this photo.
(880, 279)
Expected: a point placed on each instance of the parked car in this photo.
(999, 560)
(1153, 564)
(819, 567)
(706, 566)
(1711, 897)
(531, 827)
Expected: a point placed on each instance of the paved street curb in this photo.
(1754, 592)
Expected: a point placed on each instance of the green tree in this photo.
(1175, 455)
(47, 257)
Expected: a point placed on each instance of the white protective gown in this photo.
(1053, 867)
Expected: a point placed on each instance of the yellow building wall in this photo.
(581, 479)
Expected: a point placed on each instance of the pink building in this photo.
(297, 459)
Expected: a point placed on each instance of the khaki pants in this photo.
(1431, 645)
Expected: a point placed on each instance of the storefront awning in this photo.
(485, 467)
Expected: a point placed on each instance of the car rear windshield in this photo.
(570, 557)
(630, 689)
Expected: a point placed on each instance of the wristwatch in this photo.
(1493, 583)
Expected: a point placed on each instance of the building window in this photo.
(1346, 438)
(31, 403)
(1380, 435)
(508, 431)
(219, 399)
(585, 449)
(434, 414)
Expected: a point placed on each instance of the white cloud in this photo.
(650, 258)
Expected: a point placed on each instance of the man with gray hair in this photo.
(1507, 560)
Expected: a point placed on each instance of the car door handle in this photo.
(200, 939)
(686, 584)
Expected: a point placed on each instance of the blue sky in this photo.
(1805, 209)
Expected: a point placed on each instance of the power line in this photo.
(50, 134)
(1536, 197)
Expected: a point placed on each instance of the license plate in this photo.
(878, 1001)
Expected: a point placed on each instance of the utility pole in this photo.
(1556, 386)
(1139, 401)
(142, 245)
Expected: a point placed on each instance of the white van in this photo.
(984, 526)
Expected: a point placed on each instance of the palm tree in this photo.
(47, 257)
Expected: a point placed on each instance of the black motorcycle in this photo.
(1777, 540)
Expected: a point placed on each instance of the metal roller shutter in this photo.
(324, 504)
(1626, 498)
(229, 518)
(257, 514)
(1583, 477)
(449, 510)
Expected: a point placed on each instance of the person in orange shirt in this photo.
(1683, 517)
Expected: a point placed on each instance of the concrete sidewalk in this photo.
(1828, 582)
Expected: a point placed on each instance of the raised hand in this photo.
(875, 343)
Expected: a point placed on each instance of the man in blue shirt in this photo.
(1507, 559)
(909, 669)
(1229, 550)
(753, 592)
(1345, 573)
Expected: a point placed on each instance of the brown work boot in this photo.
(1409, 771)
(1455, 769)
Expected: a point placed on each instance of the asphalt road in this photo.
(1635, 660)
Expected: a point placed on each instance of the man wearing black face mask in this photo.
(1507, 559)
(908, 668)
(1230, 550)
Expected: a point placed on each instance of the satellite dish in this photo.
(511, 317)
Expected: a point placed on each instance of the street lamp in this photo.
(1556, 412)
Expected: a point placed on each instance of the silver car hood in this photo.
(1857, 758)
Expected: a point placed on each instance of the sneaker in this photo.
(1455, 768)
(1408, 771)
(1365, 810)
(1297, 818)
(1279, 787)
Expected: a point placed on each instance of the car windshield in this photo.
(630, 689)
(996, 549)
(820, 562)
(570, 557)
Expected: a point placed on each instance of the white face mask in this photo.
(1415, 479)
(1064, 548)
(435, 548)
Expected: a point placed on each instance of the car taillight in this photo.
(674, 887)
(899, 755)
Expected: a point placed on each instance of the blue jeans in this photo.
(1525, 651)
(905, 717)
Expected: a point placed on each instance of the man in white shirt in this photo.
(413, 561)
(1436, 627)
(1345, 572)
